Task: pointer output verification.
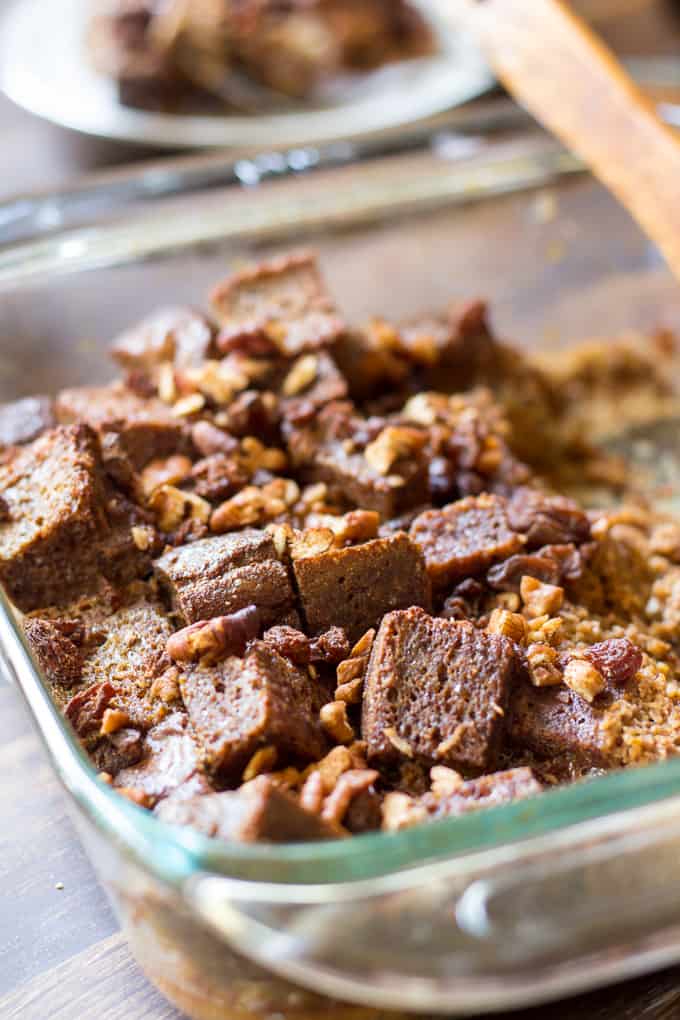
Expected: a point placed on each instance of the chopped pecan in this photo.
(543, 669)
(85, 711)
(211, 640)
(394, 443)
(254, 505)
(218, 476)
(331, 767)
(301, 375)
(348, 786)
(311, 542)
(400, 811)
(187, 406)
(172, 506)
(135, 795)
(164, 471)
(511, 625)
(365, 643)
(208, 439)
(584, 679)
(114, 719)
(350, 669)
(219, 381)
(540, 598)
(263, 760)
(355, 526)
(143, 537)
(444, 781)
(334, 720)
(166, 686)
(255, 456)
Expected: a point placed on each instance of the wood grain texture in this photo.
(102, 981)
(550, 60)
(61, 955)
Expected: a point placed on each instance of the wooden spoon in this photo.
(550, 60)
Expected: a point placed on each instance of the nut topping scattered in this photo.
(292, 579)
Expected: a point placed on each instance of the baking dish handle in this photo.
(557, 915)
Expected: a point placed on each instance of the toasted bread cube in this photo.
(258, 812)
(240, 705)
(354, 587)
(176, 334)
(55, 516)
(281, 302)
(220, 575)
(146, 428)
(464, 538)
(436, 692)
(170, 765)
(466, 796)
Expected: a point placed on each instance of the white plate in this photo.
(44, 68)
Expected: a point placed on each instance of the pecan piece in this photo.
(208, 439)
(211, 640)
(539, 598)
(164, 471)
(334, 720)
(85, 711)
(511, 625)
(348, 786)
(584, 679)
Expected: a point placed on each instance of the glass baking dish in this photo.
(511, 906)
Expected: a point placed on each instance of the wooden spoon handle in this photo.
(560, 71)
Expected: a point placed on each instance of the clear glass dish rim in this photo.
(175, 854)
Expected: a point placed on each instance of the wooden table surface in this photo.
(61, 953)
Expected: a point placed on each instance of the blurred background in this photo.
(39, 154)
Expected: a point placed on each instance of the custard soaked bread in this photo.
(291, 578)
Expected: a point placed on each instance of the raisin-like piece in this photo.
(617, 659)
(333, 646)
(547, 520)
(289, 642)
(442, 482)
(506, 576)
(464, 602)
